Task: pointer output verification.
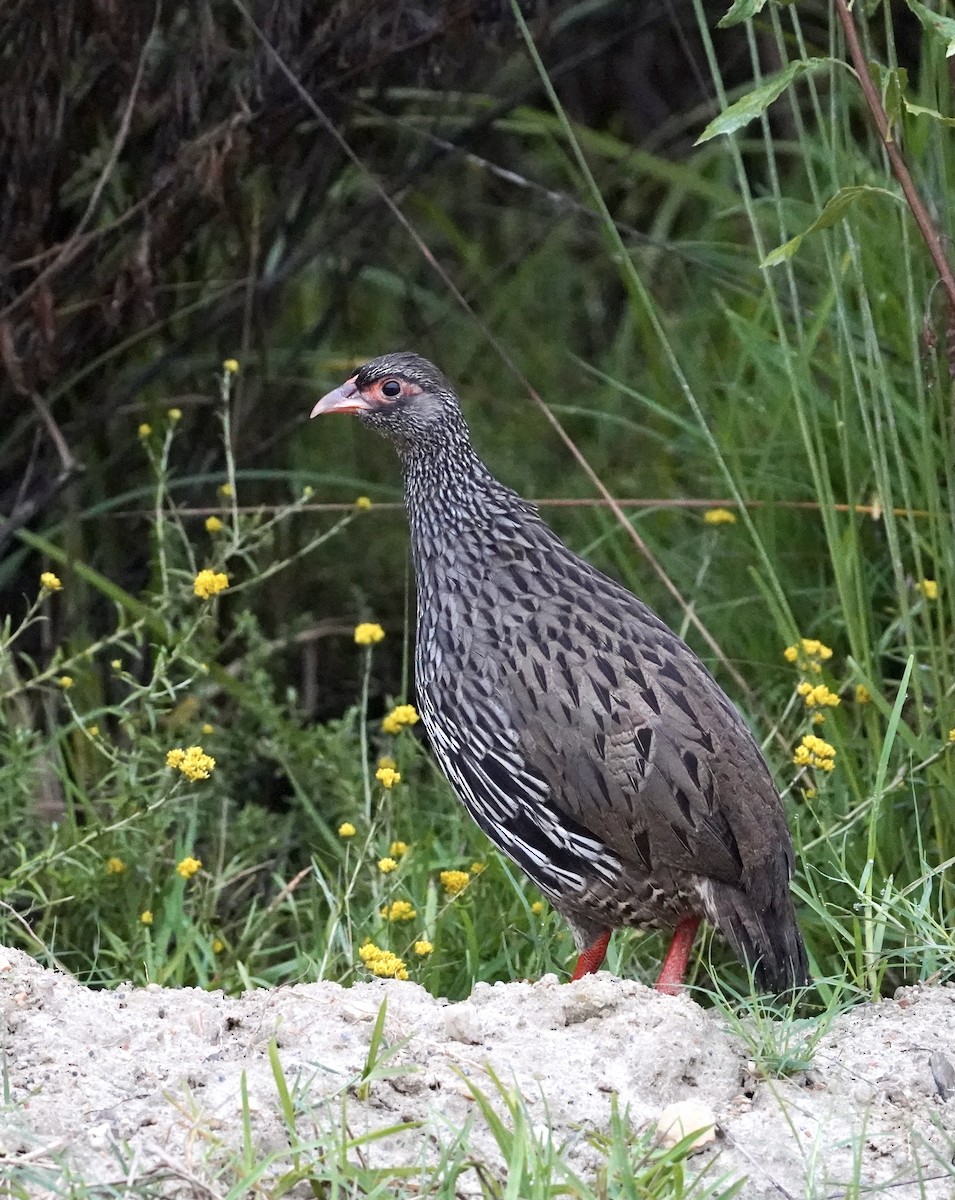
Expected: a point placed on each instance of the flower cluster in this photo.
(388, 777)
(399, 717)
(423, 948)
(928, 588)
(368, 633)
(387, 865)
(399, 910)
(818, 696)
(193, 762)
(346, 830)
(812, 751)
(115, 866)
(862, 694)
(188, 867)
(454, 882)
(363, 503)
(382, 962)
(398, 849)
(50, 582)
(719, 516)
(209, 583)
(809, 654)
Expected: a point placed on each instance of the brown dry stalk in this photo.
(919, 211)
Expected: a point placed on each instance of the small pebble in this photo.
(679, 1120)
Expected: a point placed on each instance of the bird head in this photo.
(402, 396)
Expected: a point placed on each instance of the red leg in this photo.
(592, 956)
(674, 965)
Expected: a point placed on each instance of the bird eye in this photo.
(391, 388)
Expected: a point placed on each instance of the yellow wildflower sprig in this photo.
(809, 654)
(382, 962)
(401, 716)
(813, 752)
(454, 882)
(193, 762)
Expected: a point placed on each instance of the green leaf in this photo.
(943, 26)
(739, 11)
(835, 209)
(917, 110)
(757, 101)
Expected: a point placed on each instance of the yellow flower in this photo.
(144, 430)
(862, 694)
(209, 583)
(115, 866)
(174, 414)
(65, 682)
(387, 761)
(189, 867)
(207, 728)
(218, 945)
(399, 910)
(231, 366)
(951, 735)
(812, 751)
(537, 907)
(719, 516)
(194, 763)
(225, 489)
(93, 731)
(50, 583)
(363, 502)
(928, 588)
(403, 714)
(423, 948)
(387, 865)
(819, 696)
(477, 867)
(810, 651)
(367, 633)
(398, 849)
(454, 882)
(818, 718)
(116, 664)
(382, 962)
(346, 830)
(213, 525)
(146, 917)
(388, 777)
(809, 793)
(308, 492)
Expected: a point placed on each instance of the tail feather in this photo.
(767, 939)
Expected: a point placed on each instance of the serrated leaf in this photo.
(739, 11)
(834, 210)
(944, 27)
(754, 103)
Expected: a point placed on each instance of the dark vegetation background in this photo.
(169, 201)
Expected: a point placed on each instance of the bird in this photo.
(586, 739)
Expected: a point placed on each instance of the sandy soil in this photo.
(146, 1084)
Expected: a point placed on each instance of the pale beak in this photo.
(344, 399)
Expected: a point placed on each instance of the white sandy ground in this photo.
(103, 1086)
